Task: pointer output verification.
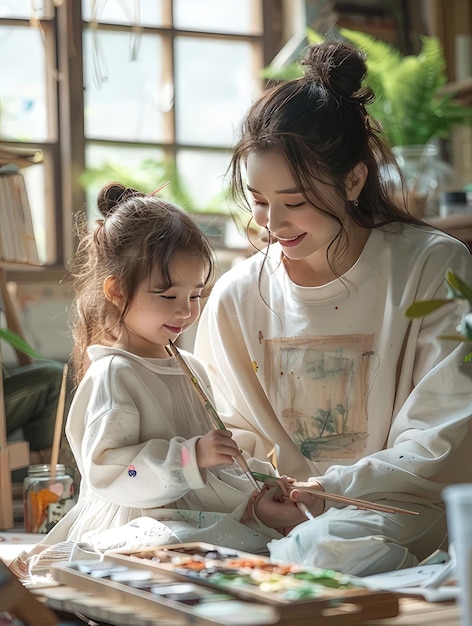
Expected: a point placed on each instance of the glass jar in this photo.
(426, 176)
(46, 498)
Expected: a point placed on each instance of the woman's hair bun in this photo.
(337, 66)
(111, 195)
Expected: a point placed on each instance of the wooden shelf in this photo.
(17, 250)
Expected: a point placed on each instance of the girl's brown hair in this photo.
(138, 233)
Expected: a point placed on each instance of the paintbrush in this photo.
(172, 350)
(361, 504)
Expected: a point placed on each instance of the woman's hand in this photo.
(316, 505)
(217, 447)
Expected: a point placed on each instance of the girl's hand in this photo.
(217, 447)
(276, 510)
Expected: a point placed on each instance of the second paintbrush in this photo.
(173, 351)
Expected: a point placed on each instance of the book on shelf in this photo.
(17, 239)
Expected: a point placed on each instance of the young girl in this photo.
(324, 365)
(145, 447)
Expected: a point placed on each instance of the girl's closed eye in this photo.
(166, 296)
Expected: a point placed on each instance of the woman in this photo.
(306, 343)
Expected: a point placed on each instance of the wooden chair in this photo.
(13, 455)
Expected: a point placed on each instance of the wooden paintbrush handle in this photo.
(361, 504)
(172, 350)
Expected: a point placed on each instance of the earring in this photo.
(355, 203)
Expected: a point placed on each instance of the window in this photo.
(137, 90)
(27, 101)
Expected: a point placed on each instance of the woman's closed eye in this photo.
(295, 205)
(290, 205)
(256, 202)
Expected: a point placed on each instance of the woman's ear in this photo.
(355, 181)
(112, 290)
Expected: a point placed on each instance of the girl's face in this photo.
(156, 315)
(279, 205)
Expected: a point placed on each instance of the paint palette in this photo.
(297, 594)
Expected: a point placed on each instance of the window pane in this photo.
(141, 168)
(23, 85)
(124, 99)
(228, 16)
(144, 13)
(202, 177)
(23, 8)
(214, 86)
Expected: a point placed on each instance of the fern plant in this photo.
(410, 104)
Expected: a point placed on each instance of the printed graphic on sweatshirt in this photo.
(319, 388)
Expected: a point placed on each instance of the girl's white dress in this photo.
(132, 427)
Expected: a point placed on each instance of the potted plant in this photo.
(457, 290)
(411, 105)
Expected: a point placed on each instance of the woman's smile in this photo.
(290, 242)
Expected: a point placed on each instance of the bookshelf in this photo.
(18, 250)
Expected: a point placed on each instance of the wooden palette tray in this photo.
(200, 573)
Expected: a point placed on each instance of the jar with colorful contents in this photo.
(46, 497)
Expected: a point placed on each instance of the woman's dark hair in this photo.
(319, 123)
(138, 233)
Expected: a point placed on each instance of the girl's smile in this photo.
(156, 314)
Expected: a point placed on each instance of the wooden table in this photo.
(415, 612)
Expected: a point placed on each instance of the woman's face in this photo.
(278, 204)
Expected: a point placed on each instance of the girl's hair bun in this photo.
(111, 195)
(340, 68)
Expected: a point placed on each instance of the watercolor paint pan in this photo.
(248, 575)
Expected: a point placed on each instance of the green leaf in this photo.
(425, 307)
(313, 36)
(289, 72)
(457, 337)
(459, 288)
(19, 343)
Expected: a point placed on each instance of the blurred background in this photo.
(152, 91)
